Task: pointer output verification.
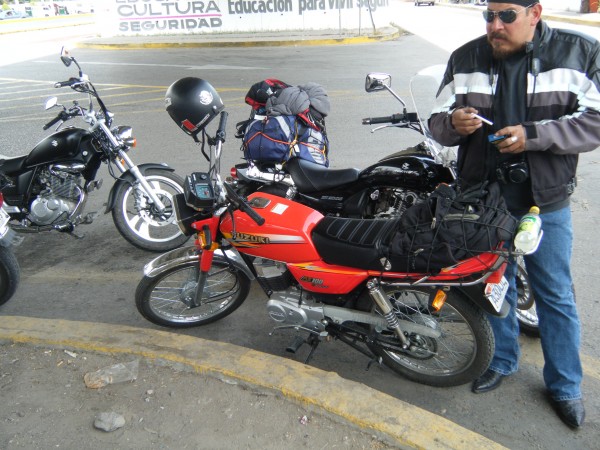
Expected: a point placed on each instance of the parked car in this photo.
(11, 14)
(424, 2)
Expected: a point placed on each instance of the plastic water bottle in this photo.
(528, 232)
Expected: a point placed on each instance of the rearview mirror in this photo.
(65, 56)
(377, 81)
(51, 102)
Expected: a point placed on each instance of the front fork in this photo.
(124, 162)
(206, 230)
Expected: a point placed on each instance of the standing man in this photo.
(540, 90)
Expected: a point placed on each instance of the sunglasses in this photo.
(505, 16)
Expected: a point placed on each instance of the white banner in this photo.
(147, 17)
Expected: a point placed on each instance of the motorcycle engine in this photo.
(393, 202)
(58, 196)
(291, 308)
(287, 305)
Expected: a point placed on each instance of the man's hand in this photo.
(515, 142)
(465, 122)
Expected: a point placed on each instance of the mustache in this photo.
(497, 35)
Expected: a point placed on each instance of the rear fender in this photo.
(476, 295)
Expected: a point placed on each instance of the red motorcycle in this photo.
(322, 275)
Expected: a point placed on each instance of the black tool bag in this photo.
(452, 225)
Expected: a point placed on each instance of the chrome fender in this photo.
(182, 255)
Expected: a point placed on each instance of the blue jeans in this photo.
(550, 280)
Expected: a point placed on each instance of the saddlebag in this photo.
(452, 225)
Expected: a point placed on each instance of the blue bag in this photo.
(278, 138)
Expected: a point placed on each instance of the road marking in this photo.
(171, 66)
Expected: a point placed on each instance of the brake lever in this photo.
(390, 125)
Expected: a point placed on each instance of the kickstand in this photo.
(313, 341)
(373, 361)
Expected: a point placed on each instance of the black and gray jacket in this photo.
(563, 108)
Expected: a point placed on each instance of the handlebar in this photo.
(393, 119)
(61, 116)
(70, 82)
(243, 205)
(220, 136)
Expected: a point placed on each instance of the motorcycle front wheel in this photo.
(461, 353)
(9, 274)
(140, 223)
(164, 299)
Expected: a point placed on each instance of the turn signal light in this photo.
(439, 300)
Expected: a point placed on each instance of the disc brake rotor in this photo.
(148, 212)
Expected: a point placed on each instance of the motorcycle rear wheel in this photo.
(138, 222)
(10, 273)
(160, 299)
(526, 311)
(462, 352)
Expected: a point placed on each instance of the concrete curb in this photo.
(235, 40)
(406, 425)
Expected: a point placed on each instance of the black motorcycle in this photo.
(48, 188)
(384, 189)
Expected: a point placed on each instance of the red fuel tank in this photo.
(285, 235)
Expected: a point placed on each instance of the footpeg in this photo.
(294, 346)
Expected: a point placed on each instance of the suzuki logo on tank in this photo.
(148, 17)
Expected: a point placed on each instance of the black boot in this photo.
(489, 381)
(570, 412)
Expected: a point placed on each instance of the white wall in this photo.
(145, 17)
(561, 5)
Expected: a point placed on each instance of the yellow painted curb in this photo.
(367, 408)
(251, 43)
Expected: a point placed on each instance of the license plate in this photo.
(495, 293)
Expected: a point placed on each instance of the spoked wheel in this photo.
(140, 222)
(462, 352)
(526, 311)
(165, 299)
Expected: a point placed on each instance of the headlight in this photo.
(125, 134)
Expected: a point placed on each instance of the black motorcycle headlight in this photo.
(186, 215)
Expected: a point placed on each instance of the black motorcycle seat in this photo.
(9, 165)
(358, 243)
(311, 177)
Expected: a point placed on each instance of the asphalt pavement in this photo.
(398, 423)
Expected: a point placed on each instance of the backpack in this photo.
(294, 130)
(278, 138)
(451, 226)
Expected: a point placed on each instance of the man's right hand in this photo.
(464, 121)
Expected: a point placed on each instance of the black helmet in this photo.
(192, 103)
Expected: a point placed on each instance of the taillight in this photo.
(233, 173)
(1, 199)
